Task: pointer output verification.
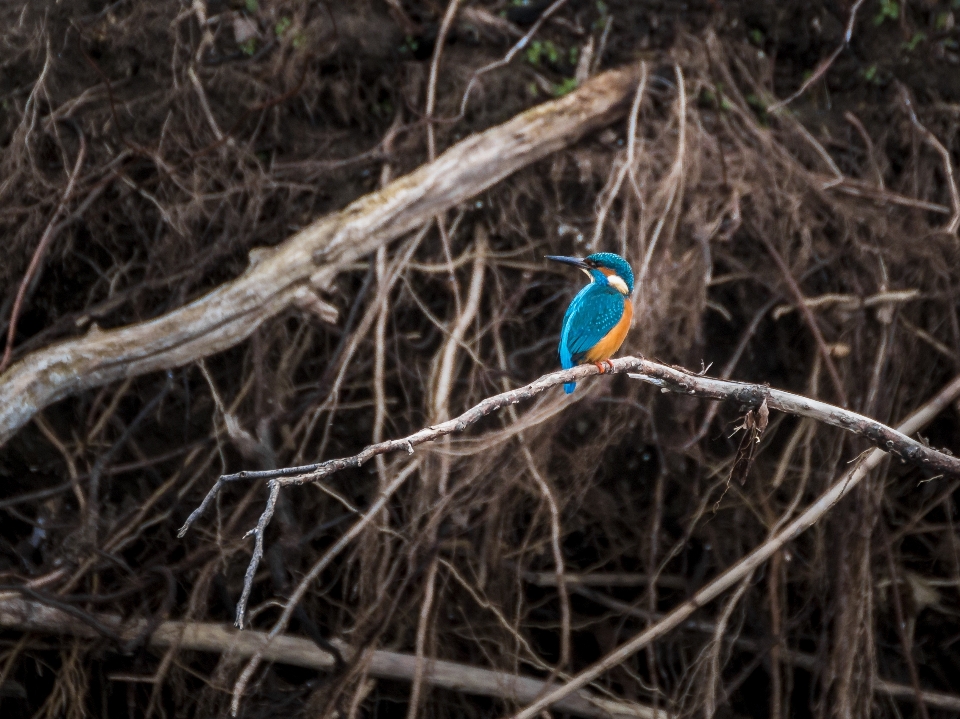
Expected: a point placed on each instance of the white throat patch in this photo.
(618, 284)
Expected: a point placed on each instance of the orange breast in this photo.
(607, 347)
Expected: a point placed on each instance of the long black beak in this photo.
(575, 261)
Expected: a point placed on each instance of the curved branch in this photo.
(667, 377)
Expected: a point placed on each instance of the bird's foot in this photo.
(603, 365)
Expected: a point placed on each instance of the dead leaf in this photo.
(754, 424)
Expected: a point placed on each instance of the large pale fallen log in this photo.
(33, 616)
(310, 259)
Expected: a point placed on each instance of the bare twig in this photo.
(859, 188)
(822, 68)
(205, 106)
(934, 141)
(749, 563)
(851, 302)
(674, 181)
(431, 104)
(53, 226)
(505, 60)
(905, 641)
(441, 390)
(610, 192)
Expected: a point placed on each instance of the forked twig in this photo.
(667, 377)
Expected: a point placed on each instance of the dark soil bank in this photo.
(785, 182)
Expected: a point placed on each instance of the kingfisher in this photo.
(598, 319)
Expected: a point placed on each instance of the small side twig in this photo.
(809, 317)
(41, 250)
(934, 141)
(257, 533)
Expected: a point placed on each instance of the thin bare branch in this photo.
(669, 378)
(41, 250)
(822, 68)
(954, 224)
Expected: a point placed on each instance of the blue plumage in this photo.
(590, 326)
(593, 313)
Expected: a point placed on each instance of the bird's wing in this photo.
(592, 314)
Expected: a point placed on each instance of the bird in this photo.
(598, 318)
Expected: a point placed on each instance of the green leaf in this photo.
(252, 5)
(568, 85)
(552, 53)
(283, 24)
(918, 37)
(889, 9)
(534, 52)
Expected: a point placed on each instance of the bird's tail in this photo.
(569, 387)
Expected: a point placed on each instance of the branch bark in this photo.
(843, 486)
(26, 615)
(667, 377)
(309, 260)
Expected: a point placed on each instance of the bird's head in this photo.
(605, 268)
